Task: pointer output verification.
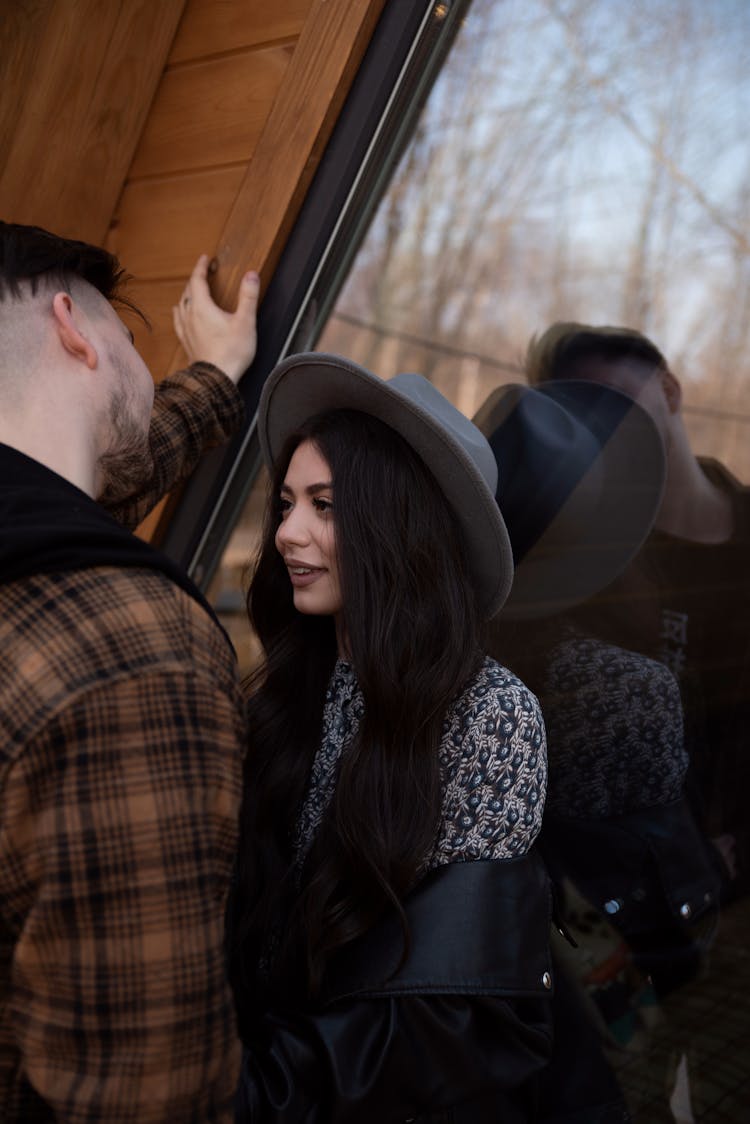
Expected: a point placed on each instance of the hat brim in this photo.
(567, 565)
(312, 383)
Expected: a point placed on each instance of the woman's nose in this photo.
(293, 529)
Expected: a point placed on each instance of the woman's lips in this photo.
(302, 575)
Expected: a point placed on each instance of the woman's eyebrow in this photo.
(310, 489)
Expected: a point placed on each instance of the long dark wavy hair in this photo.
(413, 624)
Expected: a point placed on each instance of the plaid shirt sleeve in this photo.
(194, 410)
(120, 819)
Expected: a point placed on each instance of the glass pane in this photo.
(586, 161)
(581, 161)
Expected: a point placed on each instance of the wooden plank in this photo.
(95, 71)
(210, 113)
(22, 28)
(163, 225)
(325, 61)
(156, 300)
(213, 26)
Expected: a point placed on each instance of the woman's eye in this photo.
(285, 506)
(323, 505)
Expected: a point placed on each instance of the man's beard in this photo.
(126, 467)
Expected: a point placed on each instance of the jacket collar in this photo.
(48, 525)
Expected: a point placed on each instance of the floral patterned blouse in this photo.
(615, 728)
(493, 763)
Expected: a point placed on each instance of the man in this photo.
(121, 718)
(686, 598)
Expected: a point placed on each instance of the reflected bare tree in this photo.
(577, 159)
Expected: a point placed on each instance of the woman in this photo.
(389, 926)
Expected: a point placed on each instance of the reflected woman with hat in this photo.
(388, 932)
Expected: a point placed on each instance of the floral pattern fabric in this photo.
(492, 758)
(615, 730)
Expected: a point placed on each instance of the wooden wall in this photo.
(78, 78)
(173, 128)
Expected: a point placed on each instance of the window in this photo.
(581, 161)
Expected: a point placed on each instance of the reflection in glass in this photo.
(581, 161)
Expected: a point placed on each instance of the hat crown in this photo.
(421, 392)
(544, 442)
(581, 475)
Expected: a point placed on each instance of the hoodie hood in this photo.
(48, 525)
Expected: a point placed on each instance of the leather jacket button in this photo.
(547, 980)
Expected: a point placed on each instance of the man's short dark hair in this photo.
(29, 254)
(555, 353)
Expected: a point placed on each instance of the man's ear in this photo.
(672, 390)
(64, 311)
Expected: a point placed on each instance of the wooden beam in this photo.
(329, 51)
(80, 92)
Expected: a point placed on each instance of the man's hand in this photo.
(207, 332)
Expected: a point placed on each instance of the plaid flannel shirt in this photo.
(121, 741)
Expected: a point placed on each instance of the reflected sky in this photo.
(583, 160)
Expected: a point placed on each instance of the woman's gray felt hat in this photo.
(454, 450)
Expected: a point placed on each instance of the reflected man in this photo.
(685, 599)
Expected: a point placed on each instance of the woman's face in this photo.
(305, 538)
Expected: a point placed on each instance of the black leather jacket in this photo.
(460, 1033)
(653, 875)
